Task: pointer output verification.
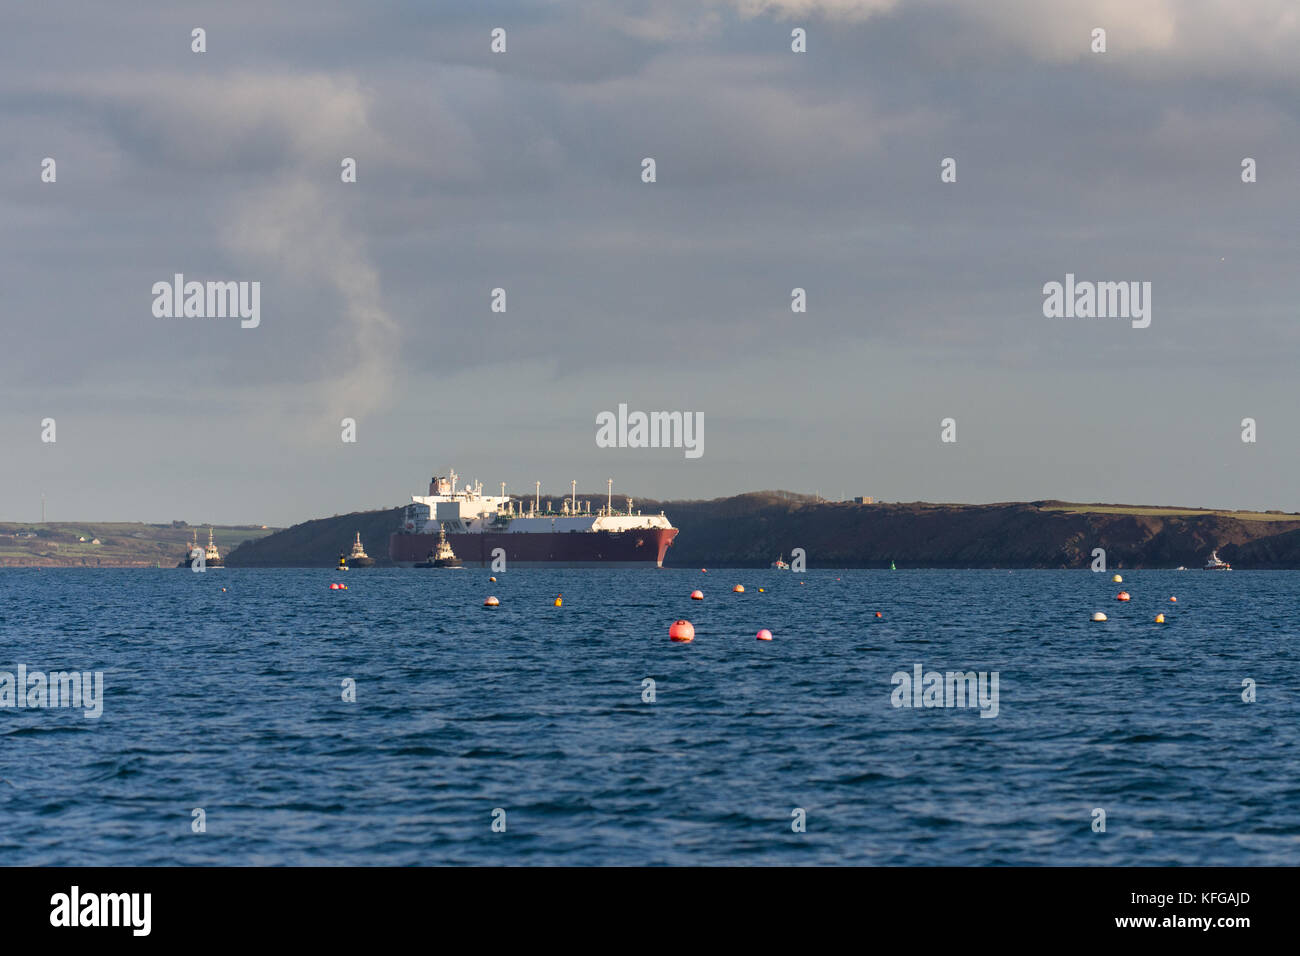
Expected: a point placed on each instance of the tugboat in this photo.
(1214, 564)
(211, 556)
(358, 558)
(780, 565)
(441, 556)
(189, 560)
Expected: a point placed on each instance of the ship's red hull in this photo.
(644, 547)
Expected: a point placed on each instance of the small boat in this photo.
(780, 565)
(441, 556)
(358, 558)
(211, 556)
(1214, 564)
(891, 566)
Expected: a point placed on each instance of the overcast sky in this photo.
(522, 170)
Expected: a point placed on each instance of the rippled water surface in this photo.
(231, 701)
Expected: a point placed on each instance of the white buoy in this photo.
(1098, 616)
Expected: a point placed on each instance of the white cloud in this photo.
(281, 138)
(1214, 35)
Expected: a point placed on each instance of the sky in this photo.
(522, 170)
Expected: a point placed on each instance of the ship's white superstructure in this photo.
(468, 511)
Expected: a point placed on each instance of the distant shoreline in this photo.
(751, 531)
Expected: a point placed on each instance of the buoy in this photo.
(1160, 619)
(336, 587)
(764, 635)
(697, 595)
(1122, 596)
(1098, 616)
(878, 614)
(493, 580)
(1174, 599)
(559, 600)
(491, 602)
(1117, 579)
(760, 590)
(682, 632)
(738, 589)
(704, 570)
(223, 590)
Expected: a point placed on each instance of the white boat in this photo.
(1214, 564)
(780, 565)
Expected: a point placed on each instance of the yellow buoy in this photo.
(1117, 579)
(558, 601)
(1160, 619)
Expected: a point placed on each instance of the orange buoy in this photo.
(764, 635)
(878, 614)
(682, 632)
(1122, 596)
(738, 589)
(1173, 599)
(1160, 619)
(697, 595)
(559, 602)
(493, 580)
(704, 570)
(491, 602)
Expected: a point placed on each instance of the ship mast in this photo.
(573, 497)
(609, 496)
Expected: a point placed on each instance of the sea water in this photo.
(258, 717)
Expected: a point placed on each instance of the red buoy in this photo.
(682, 632)
(1122, 596)
(764, 635)
(697, 595)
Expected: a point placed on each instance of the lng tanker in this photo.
(482, 528)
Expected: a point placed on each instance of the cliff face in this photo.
(319, 542)
(754, 529)
(974, 536)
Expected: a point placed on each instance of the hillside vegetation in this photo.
(752, 530)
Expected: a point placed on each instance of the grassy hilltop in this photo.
(57, 544)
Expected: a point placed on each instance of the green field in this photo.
(121, 544)
(1140, 511)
